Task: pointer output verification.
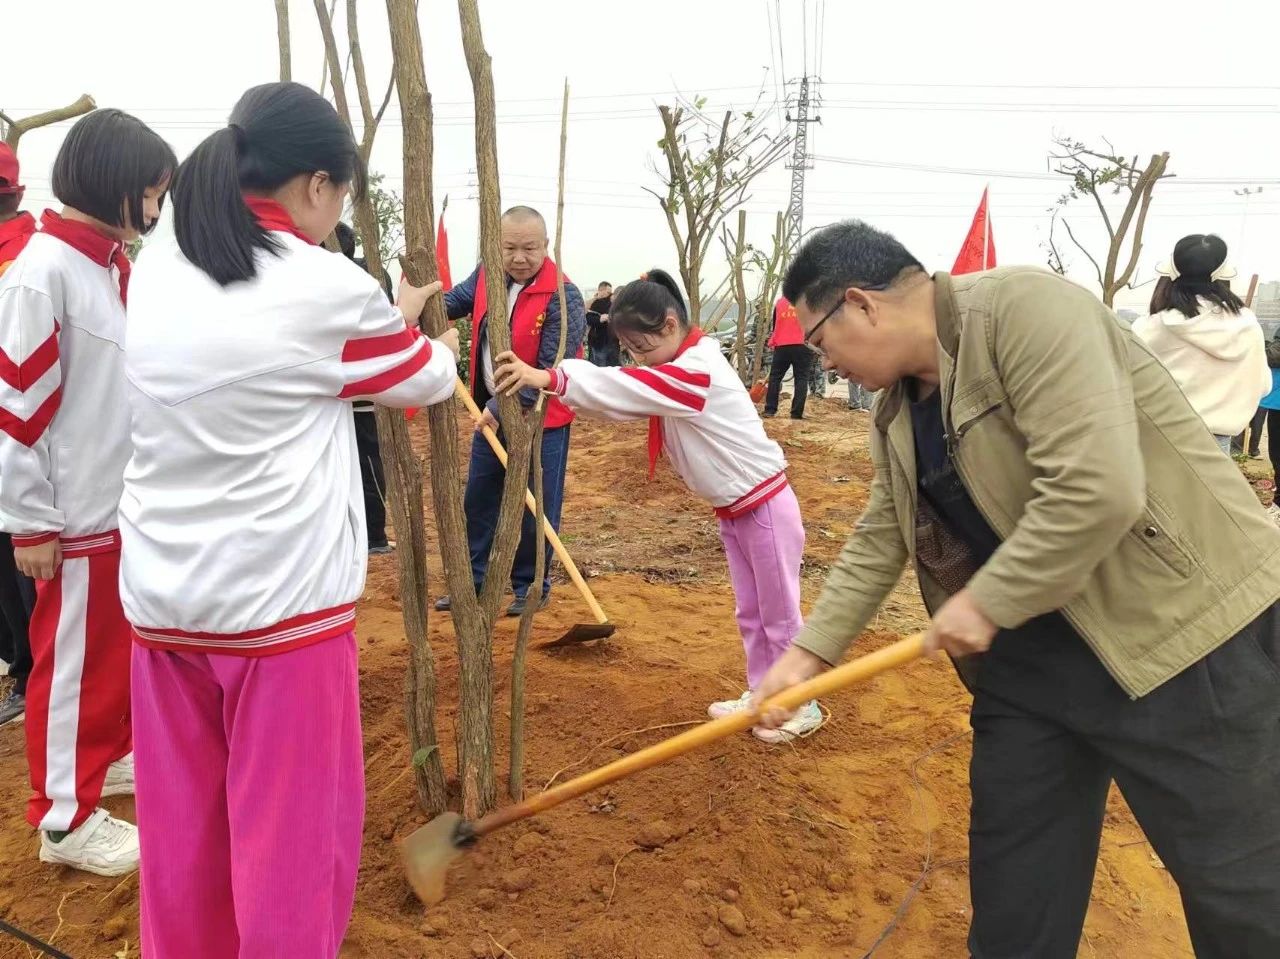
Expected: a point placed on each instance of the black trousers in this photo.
(1198, 761)
(17, 599)
(1253, 431)
(375, 486)
(1273, 442)
(798, 359)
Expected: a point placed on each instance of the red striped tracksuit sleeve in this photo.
(678, 389)
(30, 393)
(387, 361)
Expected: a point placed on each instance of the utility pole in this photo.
(800, 162)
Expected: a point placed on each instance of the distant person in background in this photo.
(789, 353)
(602, 342)
(860, 398)
(17, 592)
(1271, 404)
(371, 476)
(1253, 434)
(1206, 337)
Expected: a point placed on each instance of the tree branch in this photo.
(331, 58)
(1083, 249)
(18, 127)
(282, 39)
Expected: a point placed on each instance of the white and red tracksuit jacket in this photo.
(243, 514)
(699, 413)
(64, 413)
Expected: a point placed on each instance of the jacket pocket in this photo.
(976, 402)
(1155, 538)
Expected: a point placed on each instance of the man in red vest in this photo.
(17, 593)
(789, 353)
(534, 310)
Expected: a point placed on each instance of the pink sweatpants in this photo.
(250, 794)
(764, 549)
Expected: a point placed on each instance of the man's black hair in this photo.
(845, 254)
(107, 161)
(346, 239)
(9, 203)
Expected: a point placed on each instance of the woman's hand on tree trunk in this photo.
(512, 374)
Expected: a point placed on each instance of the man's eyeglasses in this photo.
(808, 337)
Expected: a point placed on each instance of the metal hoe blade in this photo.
(581, 633)
(428, 852)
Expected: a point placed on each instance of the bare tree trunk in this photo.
(768, 289)
(737, 265)
(475, 649)
(282, 36)
(403, 472)
(16, 128)
(515, 766)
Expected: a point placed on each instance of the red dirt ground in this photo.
(801, 852)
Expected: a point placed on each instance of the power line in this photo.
(782, 59)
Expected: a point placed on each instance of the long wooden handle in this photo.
(531, 502)
(864, 667)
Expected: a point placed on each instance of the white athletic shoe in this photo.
(728, 707)
(119, 781)
(803, 722)
(103, 845)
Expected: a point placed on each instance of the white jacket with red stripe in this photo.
(710, 428)
(64, 413)
(242, 518)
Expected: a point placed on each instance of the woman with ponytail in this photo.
(1208, 339)
(244, 539)
(702, 417)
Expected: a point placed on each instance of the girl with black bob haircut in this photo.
(1206, 337)
(703, 418)
(277, 132)
(63, 450)
(110, 165)
(245, 543)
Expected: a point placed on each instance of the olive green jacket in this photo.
(1113, 502)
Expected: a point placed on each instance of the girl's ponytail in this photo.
(641, 306)
(215, 229)
(277, 132)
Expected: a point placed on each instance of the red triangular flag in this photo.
(442, 249)
(442, 265)
(979, 249)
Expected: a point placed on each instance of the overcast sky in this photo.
(911, 93)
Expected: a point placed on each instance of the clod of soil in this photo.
(516, 880)
(114, 927)
(691, 886)
(834, 882)
(711, 937)
(480, 949)
(731, 918)
(486, 898)
(729, 895)
(528, 843)
(654, 834)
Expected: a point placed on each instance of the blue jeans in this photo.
(484, 497)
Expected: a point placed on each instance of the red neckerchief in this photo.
(17, 228)
(655, 422)
(98, 247)
(272, 216)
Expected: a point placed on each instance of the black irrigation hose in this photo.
(32, 941)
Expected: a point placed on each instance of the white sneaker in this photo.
(119, 781)
(728, 707)
(803, 722)
(103, 845)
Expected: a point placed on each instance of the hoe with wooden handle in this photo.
(429, 851)
(580, 632)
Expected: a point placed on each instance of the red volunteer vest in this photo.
(526, 329)
(786, 325)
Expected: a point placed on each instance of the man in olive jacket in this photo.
(1103, 576)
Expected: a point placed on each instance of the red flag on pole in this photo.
(979, 249)
(442, 249)
(442, 266)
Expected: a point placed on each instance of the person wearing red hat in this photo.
(17, 592)
(15, 228)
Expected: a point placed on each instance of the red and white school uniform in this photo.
(64, 442)
(244, 554)
(702, 417)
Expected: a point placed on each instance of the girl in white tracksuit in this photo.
(244, 534)
(702, 417)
